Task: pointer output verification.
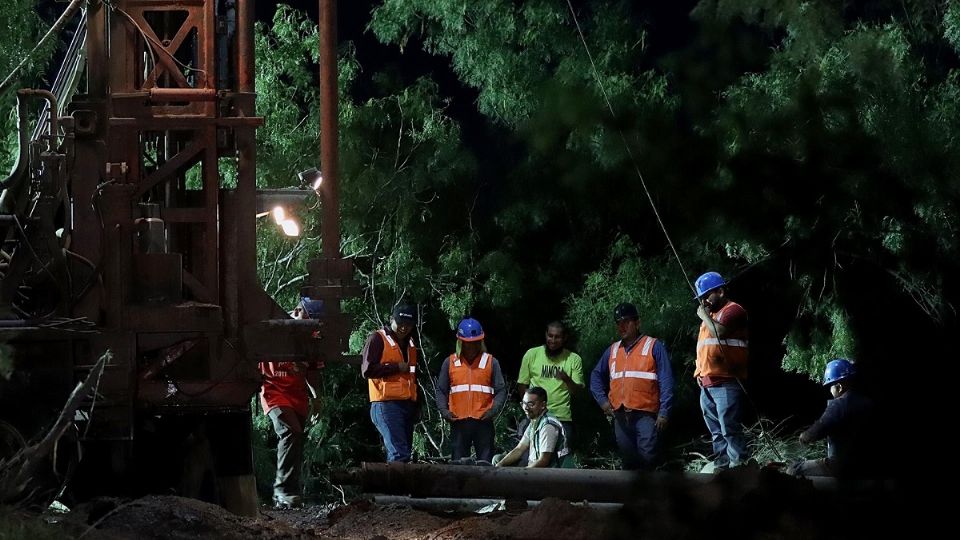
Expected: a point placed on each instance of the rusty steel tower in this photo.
(130, 226)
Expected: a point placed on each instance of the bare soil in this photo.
(743, 503)
(168, 517)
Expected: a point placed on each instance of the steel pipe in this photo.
(182, 94)
(423, 480)
(246, 66)
(439, 504)
(52, 104)
(329, 191)
(594, 485)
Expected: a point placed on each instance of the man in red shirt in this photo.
(721, 366)
(286, 400)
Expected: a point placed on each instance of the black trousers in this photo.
(289, 427)
(472, 432)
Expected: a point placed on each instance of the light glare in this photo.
(290, 227)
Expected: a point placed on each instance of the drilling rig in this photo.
(129, 226)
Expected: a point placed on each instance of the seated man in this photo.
(543, 439)
(848, 424)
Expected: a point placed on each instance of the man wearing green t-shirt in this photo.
(558, 371)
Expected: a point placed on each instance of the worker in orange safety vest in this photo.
(470, 392)
(722, 354)
(633, 383)
(389, 363)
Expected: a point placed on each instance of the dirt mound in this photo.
(486, 527)
(168, 517)
(363, 520)
(556, 518)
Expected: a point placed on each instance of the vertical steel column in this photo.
(245, 50)
(90, 156)
(246, 192)
(329, 192)
(96, 59)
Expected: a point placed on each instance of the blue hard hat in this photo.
(708, 282)
(838, 370)
(469, 330)
(313, 308)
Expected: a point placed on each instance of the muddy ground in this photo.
(740, 504)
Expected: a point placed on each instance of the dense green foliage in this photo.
(20, 30)
(806, 150)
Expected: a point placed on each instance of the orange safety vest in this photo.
(398, 386)
(633, 377)
(471, 386)
(725, 357)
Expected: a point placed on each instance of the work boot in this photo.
(282, 501)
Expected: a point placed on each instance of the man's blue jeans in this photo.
(394, 421)
(721, 406)
(636, 433)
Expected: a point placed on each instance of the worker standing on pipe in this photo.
(633, 383)
(285, 397)
(721, 366)
(470, 392)
(390, 364)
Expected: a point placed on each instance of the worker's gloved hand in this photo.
(661, 423)
(487, 415)
(447, 415)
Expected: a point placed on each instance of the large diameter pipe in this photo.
(329, 190)
(599, 486)
(423, 480)
(439, 504)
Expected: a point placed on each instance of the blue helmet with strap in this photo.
(708, 282)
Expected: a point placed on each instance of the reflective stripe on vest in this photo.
(634, 384)
(471, 387)
(724, 342)
(725, 357)
(399, 386)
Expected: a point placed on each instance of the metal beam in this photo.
(599, 486)
(423, 480)
(329, 158)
